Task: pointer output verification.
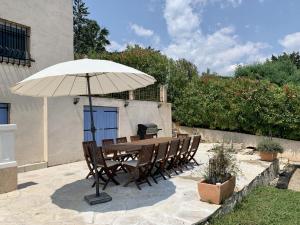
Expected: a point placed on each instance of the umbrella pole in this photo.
(98, 197)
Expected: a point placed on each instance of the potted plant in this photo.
(268, 150)
(219, 176)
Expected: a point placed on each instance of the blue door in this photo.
(106, 123)
(4, 113)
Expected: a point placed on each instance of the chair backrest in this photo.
(135, 138)
(162, 151)
(88, 148)
(185, 145)
(149, 136)
(145, 155)
(174, 147)
(121, 140)
(106, 142)
(87, 155)
(195, 143)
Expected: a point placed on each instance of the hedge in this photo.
(241, 105)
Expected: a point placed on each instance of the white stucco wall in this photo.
(65, 123)
(51, 41)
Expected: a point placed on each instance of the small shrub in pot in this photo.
(219, 176)
(268, 149)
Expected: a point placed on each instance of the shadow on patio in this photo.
(70, 196)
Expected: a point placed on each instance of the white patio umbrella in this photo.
(84, 77)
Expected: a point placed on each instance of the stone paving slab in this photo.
(54, 196)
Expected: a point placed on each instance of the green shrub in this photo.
(221, 166)
(269, 146)
(242, 105)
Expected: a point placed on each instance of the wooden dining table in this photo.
(136, 145)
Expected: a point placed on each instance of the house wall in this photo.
(51, 41)
(65, 123)
(51, 130)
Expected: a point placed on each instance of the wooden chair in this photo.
(160, 161)
(172, 155)
(135, 138)
(149, 136)
(123, 156)
(121, 140)
(107, 153)
(183, 154)
(89, 162)
(104, 167)
(193, 149)
(139, 169)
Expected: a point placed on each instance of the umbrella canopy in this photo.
(69, 79)
(84, 77)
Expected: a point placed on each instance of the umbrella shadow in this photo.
(71, 196)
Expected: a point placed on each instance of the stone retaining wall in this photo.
(292, 148)
(263, 178)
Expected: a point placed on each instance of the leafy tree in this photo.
(280, 71)
(294, 57)
(176, 74)
(88, 35)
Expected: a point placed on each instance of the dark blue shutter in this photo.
(3, 113)
(106, 123)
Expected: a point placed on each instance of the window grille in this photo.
(149, 93)
(14, 43)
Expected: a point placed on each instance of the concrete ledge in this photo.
(34, 166)
(4, 165)
(8, 179)
(264, 178)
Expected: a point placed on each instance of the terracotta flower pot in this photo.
(268, 156)
(216, 194)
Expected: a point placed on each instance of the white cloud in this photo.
(141, 31)
(146, 33)
(220, 51)
(291, 42)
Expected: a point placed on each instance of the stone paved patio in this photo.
(54, 196)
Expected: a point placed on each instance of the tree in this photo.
(294, 57)
(279, 70)
(88, 35)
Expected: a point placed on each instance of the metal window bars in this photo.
(150, 93)
(14, 43)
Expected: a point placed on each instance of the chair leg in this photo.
(175, 171)
(106, 183)
(137, 184)
(153, 178)
(88, 175)
(148, 181)
(168, 174)
(195, 161)
(162, 174)
(180, 168)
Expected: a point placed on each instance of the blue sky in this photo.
(215, 34)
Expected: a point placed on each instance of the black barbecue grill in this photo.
(149, 128)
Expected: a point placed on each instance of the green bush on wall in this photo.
(242, 105)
